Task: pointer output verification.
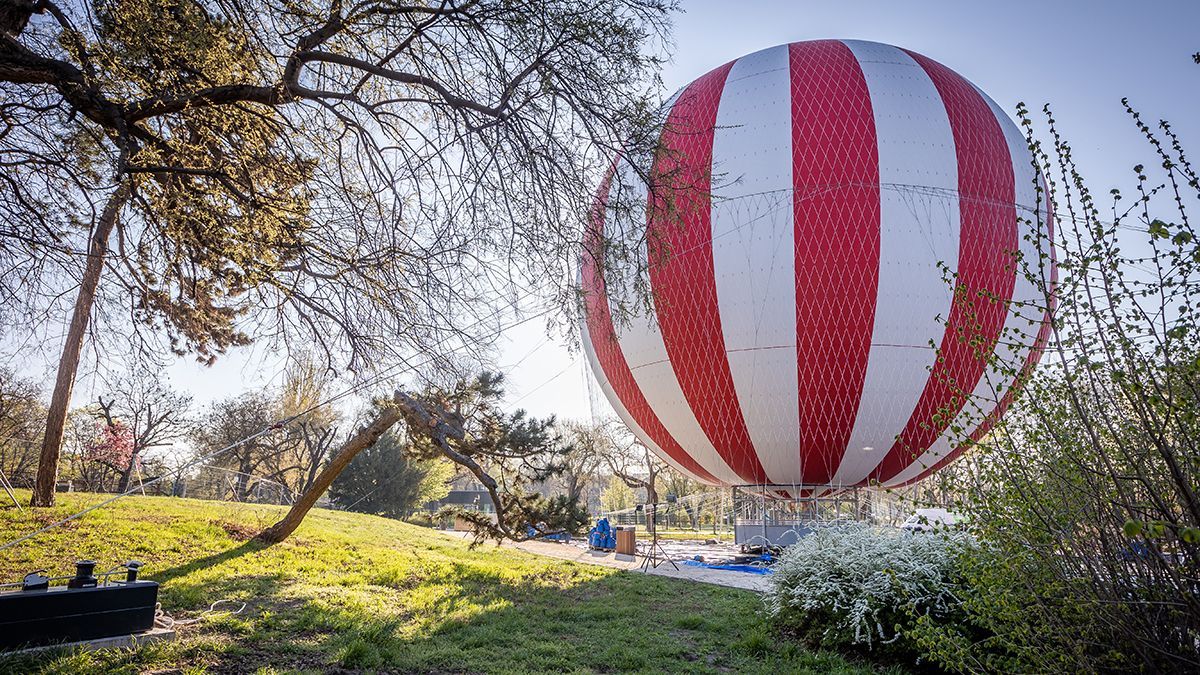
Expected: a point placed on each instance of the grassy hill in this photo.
(353, 592)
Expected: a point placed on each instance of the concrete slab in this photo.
(114, 642)
(579, 552)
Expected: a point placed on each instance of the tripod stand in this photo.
(652, 558)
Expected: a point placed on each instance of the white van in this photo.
(927, 520)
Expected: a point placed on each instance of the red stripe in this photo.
(1031, 360)
(988, 238)
(608, 350)
(835, 173)
(681, 273)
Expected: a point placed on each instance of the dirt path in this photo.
(581, 554)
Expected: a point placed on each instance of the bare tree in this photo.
(312, 430)
(21, 420)
(364, 179)
(314, 449)
(582, 462)
(633, 463)
(155, 414)
(227, 422)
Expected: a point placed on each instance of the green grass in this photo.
(674, 534)
(361, 593)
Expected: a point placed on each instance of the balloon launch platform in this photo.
(774, 516)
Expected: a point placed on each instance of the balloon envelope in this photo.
(834, 237)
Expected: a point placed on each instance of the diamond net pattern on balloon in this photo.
(836, 218)
(681, 273)
(985, 278)
(835, 243)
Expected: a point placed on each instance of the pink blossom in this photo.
(112, 445)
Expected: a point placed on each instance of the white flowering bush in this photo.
(852, 585)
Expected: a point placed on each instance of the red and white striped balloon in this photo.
(798, 294)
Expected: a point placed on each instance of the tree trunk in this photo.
(359, 442)
(68, 364)
(127, 474)
(241, 489)
(574, 489)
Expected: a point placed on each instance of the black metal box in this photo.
(29, 618)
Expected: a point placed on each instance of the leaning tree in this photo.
(364, 179)
(465, 422)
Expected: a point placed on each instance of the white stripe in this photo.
(753, 258)
(617, 198)
(919, 228)
(642, 343)
(619, 407)
(1021, 323)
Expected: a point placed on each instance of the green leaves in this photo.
(1133, 528)
(1157, 529)
(1158, 230)
(1085, 491)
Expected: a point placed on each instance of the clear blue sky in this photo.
(1081, 57)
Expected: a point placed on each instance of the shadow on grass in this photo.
(467, 613)
(172, 573)
(465, 617)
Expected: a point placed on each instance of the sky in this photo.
(1081, 57)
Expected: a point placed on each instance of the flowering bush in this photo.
(111, 445)
(852, 585)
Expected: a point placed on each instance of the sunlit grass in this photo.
(363, 593)
(673, 534)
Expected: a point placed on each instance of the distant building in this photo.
(465, 492)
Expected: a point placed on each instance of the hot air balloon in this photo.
(840, 215)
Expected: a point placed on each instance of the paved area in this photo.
(579, 552)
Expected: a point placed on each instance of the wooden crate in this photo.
(627, 541)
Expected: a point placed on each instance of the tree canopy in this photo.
(368, 180)
(384, 481)
(350, 175)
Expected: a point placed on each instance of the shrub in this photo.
(853, 586)
(420, 518)
(1084, 494)
(1004, 592)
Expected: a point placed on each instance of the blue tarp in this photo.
(752, 569)
(557, 536)
(602, 536)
